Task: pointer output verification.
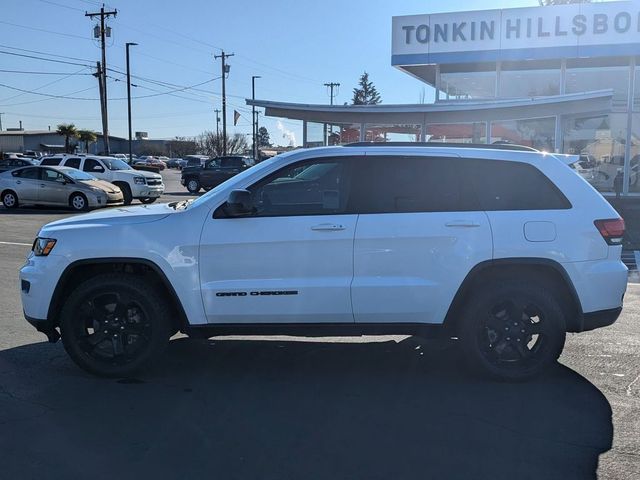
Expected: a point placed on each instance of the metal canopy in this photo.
(460, 111)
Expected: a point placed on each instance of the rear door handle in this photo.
(328, 227)
(462, 223)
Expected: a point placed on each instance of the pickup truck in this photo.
(213, 172)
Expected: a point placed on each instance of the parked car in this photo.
(58, 186)
(196, 160)
(214, 172)
(504, 250)
(151, 162)
(11, 163)
(144, 186)
(176, 163)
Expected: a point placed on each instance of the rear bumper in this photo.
(599, 319)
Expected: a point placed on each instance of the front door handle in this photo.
(328, 227)
(462, 223)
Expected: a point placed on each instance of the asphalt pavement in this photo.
(280, 408)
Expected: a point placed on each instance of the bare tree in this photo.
(210, 143)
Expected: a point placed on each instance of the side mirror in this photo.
(239, 203)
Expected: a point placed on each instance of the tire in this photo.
(148, 200)
(193, 185)
(127, 197)
(10, 199)
(113, 325)
(78, 202)
(512, 330)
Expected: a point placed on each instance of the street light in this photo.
(253, 117)
(127, 45)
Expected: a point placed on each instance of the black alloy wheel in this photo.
(513, 332)
(113, 324)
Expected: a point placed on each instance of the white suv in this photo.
(504, 250)
(135, 184)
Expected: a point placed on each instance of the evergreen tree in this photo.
(365, 93)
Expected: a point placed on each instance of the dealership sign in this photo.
(574, 30)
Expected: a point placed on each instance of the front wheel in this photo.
(512, 330)
(114, 324)
(148, 200)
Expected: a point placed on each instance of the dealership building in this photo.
(562, 78)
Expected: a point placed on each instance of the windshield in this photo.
(116, 164)
(78, 175)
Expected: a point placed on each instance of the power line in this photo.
(42, 73)
(61, 5)
(43, 59)
(44, 30)
(46, 53)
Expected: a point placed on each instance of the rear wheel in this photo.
(148, 200)
(10, 199)
(193, 185)
(512, 330)
(113, 324)
(78, 202)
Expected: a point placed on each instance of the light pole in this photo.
(253, 117)
(127, 45)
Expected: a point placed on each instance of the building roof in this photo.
(460, 111)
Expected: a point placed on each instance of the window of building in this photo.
(392, 133)
(340, 134)
(457, 132)
(520, 83)
(600, 141)
(538, 133)
(467, 85)
(588, 79)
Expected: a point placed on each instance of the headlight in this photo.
(96, 189)
(139, 180)
(43, 246)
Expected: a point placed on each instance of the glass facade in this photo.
(599, 78)
(392, 133)
(529, 83)
(467, 85)
(457, 132)
(538, 133)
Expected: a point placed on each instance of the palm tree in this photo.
(68, 131)
(87, 136)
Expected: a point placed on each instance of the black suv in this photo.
(213, 172)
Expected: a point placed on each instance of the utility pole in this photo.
(102, 33)
(1, 113)
(127, 45)
(254, 123)
(98, 75)
(225, 71)
(217, 122)
(331, 86)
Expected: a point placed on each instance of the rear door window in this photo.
(393, 184)
(72, 162)
(51, 162)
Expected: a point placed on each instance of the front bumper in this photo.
(148, 191)
(44, 326)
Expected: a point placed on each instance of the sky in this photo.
(295, 46)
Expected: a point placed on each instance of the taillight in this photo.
(612, 230)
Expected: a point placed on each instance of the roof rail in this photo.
(493, 146)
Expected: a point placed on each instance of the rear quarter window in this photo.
(504, 185)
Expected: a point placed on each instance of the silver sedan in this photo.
(60, 186)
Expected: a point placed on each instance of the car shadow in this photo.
(296, 409)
